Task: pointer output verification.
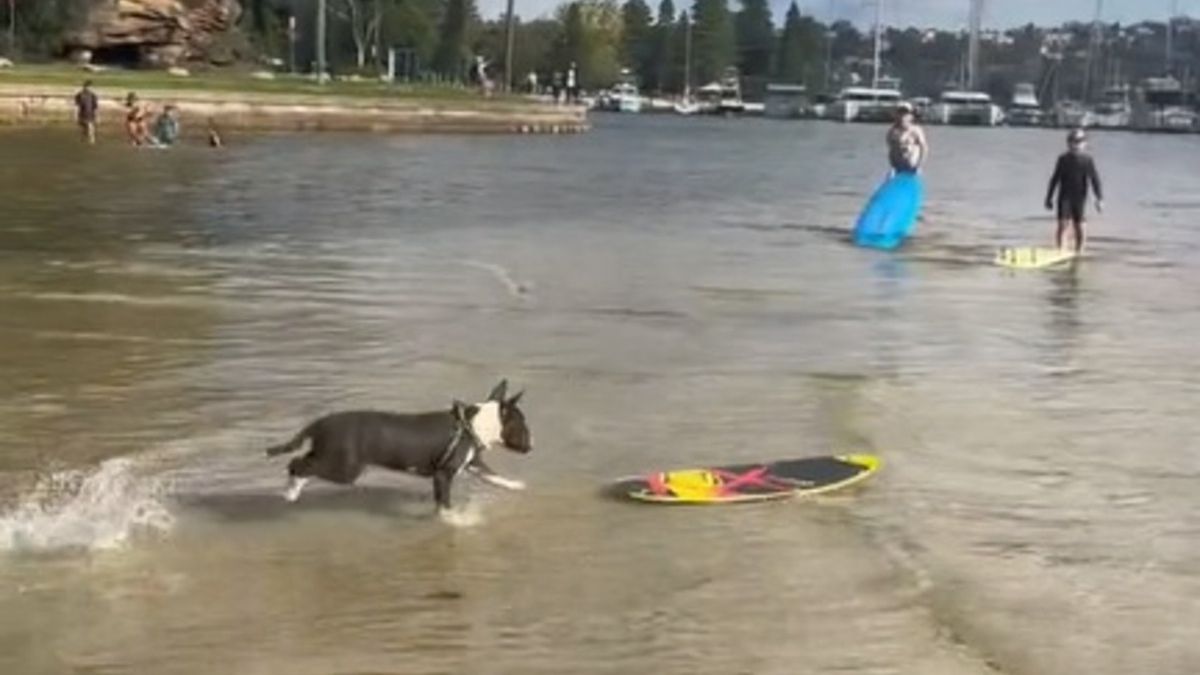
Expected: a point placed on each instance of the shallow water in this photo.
(667, 292)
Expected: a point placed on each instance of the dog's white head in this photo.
(499, 421)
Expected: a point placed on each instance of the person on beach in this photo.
(556, 87)
(572, 85)
(86, 105)
(135, 119)
(1074, 172)
(907, 145)
(481, 75)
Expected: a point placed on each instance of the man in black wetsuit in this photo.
(1073, 173)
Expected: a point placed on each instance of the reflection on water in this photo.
(86, 321)
(1065, 325)
(669, 293)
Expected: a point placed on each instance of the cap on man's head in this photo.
(904, 107)
(1076, 136)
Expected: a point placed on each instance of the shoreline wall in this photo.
(47, 105)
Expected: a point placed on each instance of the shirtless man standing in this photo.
(907, 147)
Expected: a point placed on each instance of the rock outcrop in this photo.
(156, 33)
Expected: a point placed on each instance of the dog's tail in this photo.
(291, 446)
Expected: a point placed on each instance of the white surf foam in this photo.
(86, 509)
(465, 516)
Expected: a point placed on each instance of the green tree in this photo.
(677, 67)
(848, 41)
(36, 29)
(571, 42)
(663, 52)
(412, 25)
(360, 21)
(637, 42)
(802, 46)
(713, 40)
(755, 38)
(789, 60)
(455, 37)
(265, 25)
(591, 39)
(904, 48)
(535, 49)
(601, 35)
(940, 62)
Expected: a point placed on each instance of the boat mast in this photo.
(1093, 45)
(878, 45)
(829, 38)
(687, 60)
(1170, 35)
(975, 19)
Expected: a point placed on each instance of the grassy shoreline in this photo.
(235, 82)
(40, 95)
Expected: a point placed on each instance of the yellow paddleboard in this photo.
(1033, 257)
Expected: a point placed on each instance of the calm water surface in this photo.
(667, 293)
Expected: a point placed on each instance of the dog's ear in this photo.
(499, 392)
(517, 397)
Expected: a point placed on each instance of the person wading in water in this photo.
(1074, 172)
(86, 104)
(135, 120)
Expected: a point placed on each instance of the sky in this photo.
(950, 14)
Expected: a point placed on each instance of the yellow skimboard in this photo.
(1033, 257)
(740, 483)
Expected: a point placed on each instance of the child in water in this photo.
(166, 127)
(135, 119)
(1074, 171)
(214, 137)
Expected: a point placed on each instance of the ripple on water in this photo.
(1032, 516)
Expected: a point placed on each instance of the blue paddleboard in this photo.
(891, 212)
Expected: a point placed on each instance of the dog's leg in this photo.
(294, 487)
(441, 492)
(500, 481)
(297, 477)
(483, 471)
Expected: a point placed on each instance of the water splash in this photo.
(86, 509)
(466, 516)
(515, 288)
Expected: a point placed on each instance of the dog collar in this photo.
(462, 427)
